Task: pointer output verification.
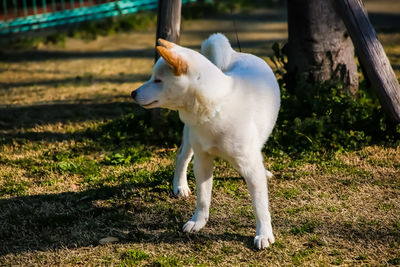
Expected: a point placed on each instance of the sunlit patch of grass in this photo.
(81, 166)
(166, 261)
(301, 255)
(295, 210)
(132, 257)
(14, 188)
(130, 155)
(332, 209)
(290, 192)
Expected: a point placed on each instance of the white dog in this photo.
(229, 102)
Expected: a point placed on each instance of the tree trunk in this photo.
(168, 28)
(319, 48)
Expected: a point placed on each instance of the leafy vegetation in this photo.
(13, 188)
(132, 257)
(324, 117)
(127, 156)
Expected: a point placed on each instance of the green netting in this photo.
(29, 15)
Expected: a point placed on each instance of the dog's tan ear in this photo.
(166, 44)
(178, 64)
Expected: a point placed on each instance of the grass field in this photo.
(66, 183)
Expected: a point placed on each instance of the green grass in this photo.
(130, 155)
(13, 188)
(166, 262)
(300, 256)
(133, 257)
(394, 261)
(306, 227)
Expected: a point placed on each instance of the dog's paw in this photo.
(193, 226)
(262, 241)
(268, 174)
(182, 191)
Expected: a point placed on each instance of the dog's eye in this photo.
(157, 80)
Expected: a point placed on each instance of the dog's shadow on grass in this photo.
(79, 219)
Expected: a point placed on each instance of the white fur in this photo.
(218, 50)
(229, 104)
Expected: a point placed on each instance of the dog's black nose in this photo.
(133, 94)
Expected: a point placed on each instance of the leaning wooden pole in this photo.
(168, 28)
(371, 55)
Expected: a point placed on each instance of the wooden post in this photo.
(168, 21)
(371, 55)
(168, 28)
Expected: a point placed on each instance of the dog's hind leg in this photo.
(254, 173)
(185, 154)
(203, 171)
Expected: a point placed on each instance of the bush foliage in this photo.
(323, 117)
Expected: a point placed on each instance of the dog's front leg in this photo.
(252, 169)
(185, 153)
(203, 171)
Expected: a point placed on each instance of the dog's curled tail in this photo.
(218, 50)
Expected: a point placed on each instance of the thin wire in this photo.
(234, 27)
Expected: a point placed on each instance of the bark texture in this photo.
(319, 48)
(168, 21)
(372, 56)
(168, 28)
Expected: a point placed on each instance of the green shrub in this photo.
(322, 118)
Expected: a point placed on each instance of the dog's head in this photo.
(169, 81)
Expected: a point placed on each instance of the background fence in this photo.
(17, 16)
